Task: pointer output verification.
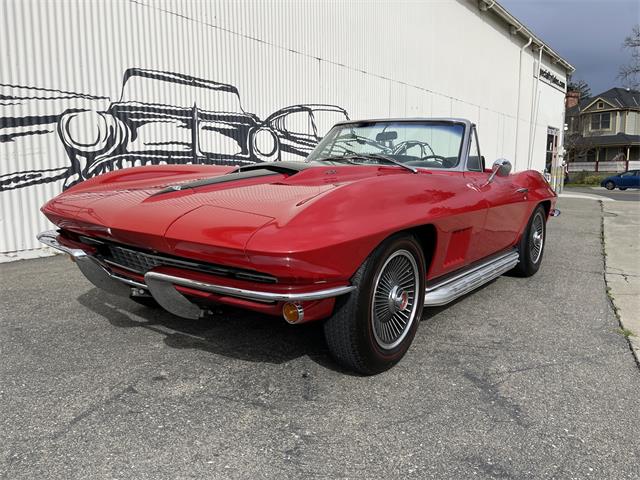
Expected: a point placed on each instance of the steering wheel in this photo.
(438, 158)
(406, 145)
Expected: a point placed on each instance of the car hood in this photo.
(193, 209)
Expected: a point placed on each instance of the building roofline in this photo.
(516, 27)
(593, 100)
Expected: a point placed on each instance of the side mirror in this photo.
(501, 167)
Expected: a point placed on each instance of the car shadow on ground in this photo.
(230, 332)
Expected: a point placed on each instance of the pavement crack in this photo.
(129, 389)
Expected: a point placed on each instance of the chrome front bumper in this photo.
(95, 271)
(162, 286)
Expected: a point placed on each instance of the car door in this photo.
(507, 206)
(635, 180)
(624, 180)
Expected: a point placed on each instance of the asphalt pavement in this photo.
(524, 378)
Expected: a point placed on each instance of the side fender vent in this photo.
(458, 246)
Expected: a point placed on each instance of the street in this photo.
(524, 378)
(630, 195)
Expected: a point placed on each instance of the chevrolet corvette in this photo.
(385, 217)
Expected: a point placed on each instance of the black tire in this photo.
(609, 185)
(148, 302)
(368, 342)
(622, 188)
(529, 249)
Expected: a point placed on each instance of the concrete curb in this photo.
(27, 254)
(587, 196)
(621, 237)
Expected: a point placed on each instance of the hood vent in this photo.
(241, 173)
(229, 177)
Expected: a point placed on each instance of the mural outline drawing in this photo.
(165, 117)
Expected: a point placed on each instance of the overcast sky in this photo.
(587, 33)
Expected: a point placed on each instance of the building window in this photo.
(600, 105)
(601, 121)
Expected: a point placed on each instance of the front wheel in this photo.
(373, 327)
(609, 185)
(531, 245)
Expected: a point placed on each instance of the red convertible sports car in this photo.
(383, 218)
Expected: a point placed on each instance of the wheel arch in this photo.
(425, 235)
(546, 204)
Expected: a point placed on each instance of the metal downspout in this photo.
(515, 156)
(534, 109)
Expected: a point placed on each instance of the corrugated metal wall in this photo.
(66, 112)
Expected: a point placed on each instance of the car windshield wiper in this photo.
(340, 158)
(368, 156)
(378, 156)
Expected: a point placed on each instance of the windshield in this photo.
(161, 92)
(422, 144)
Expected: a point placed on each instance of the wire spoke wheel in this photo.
(373, 327)
(537, 237)
(393, 304)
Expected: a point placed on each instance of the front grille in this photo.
(132, 260)
(141, 262)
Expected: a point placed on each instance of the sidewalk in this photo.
(622, 265)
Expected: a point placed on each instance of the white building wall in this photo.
(374, 59)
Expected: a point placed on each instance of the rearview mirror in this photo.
(386, 136)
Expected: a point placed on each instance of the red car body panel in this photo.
(314, 227)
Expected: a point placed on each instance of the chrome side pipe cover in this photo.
(454, 287)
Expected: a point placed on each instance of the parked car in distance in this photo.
(630, 179)
(384, 218)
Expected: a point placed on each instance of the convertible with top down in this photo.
(383, 218)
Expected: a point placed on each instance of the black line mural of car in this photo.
(165, 117)
(301, 127)
(28, 139)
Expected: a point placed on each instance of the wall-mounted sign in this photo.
(552, 79)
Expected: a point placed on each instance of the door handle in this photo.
(522, 190)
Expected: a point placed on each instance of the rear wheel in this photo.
(531, 245)
(373, 327)
(609, 185)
